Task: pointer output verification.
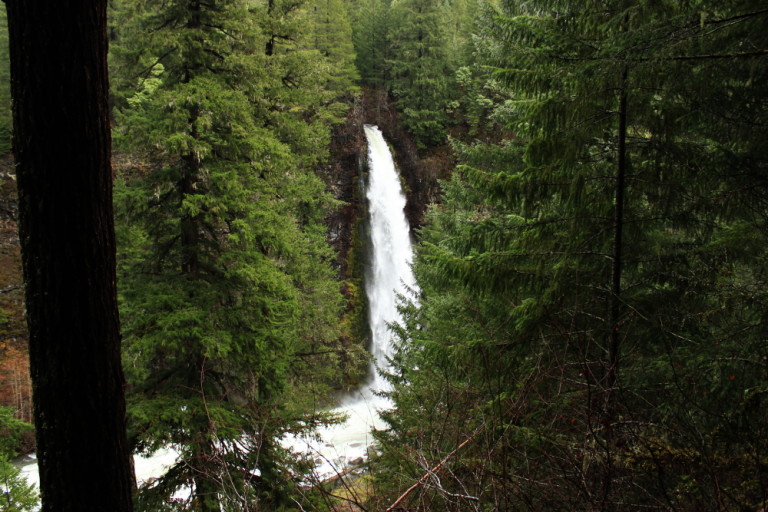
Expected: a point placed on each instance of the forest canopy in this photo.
(590, 328)
(594, 301)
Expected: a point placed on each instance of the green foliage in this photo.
(420, 68)
(372, 23)
(229, 302)
(332, 36)
(578, 391)
(16, 495)
(482, 103)
(412, 49)
(12, 431)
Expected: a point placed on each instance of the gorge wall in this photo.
(421, 169)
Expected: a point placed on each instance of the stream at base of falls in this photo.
(388, 276)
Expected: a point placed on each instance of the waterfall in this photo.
(389, 274)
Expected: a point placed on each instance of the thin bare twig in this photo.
(426, 476)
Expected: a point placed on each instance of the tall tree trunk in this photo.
(270, 48)
(611, 382)
(62, 149)
(617, 250)
(190, 224)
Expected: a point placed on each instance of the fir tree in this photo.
(225, 272)
(332, 36)
(372, 23)
(580, 279)
(16, 494)
(420, 68)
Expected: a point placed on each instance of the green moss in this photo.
(355, 318)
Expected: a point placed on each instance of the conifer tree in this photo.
(580, 279)
(225, 273)
(372, 23)
(16, 494)
(332, 36)
(420, 68)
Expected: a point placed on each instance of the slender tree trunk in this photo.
(611, 383)
(62, 148)
(617, 251)
(270, 48)
(190, 224)
(206, 494)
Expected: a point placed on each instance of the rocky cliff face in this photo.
(343, 175)
(345, 172)
(421, 169)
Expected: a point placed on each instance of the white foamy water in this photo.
(388, 276)
(146, 468)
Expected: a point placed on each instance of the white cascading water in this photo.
(390, 273)
(388, 276)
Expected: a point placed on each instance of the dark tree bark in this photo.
(611, 385)
(62, 149)
(617, 257)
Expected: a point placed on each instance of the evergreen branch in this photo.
(216, 71)
(281, 36)
(737, 17)
(169, 22)
(151, 385)
(214, 53)
(147, 70)
(221, 29)
(288, 82)
(740, 55)
(212, 7)
(714, 56)
(319, 353)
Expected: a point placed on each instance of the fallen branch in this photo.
(426, 476)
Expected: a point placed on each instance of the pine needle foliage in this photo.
(593, 284)
(16, 494)
(226, 283)
(419, 67)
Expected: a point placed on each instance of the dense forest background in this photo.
(588, 187)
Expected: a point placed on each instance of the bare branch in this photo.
(427, 475)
